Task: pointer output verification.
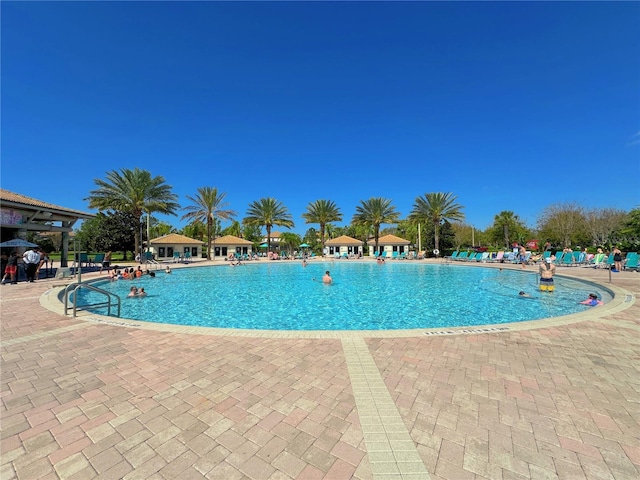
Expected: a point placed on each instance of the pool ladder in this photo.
(75, 287)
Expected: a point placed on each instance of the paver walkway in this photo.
(84, 400)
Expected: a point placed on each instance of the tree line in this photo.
(127, 200)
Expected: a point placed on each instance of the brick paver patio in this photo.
(84, 399)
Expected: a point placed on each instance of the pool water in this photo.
(363, 296)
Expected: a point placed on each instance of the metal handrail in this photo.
(74, 287)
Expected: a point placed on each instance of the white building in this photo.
(344, 245)
(389, 244)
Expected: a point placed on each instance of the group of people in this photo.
(546, 271)
(129, 274)
(33, 260)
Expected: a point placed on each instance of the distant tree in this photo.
(602, 223)
(291, 241)
(311, 237)
(374, 212)
(631, 228)
(463, 234)
(105, 232)
(135, 192)
(208, 205)
(330, 231)
(268, 212)
(562, 222)
(252, 233)
(434, 209)
(196, 230)
(322, 212)
(234, 229)
(160, 229)
(408, 230)
(506, 227)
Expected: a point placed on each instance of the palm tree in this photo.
(506, 220)
(322, 212)
(133, 191)
(290, 240)
(268, 212)
(434, 208)
(208, 205)
(373, 213)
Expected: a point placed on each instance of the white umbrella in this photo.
(17, 242)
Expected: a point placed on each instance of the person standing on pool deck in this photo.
(547, 269)
(327, 278)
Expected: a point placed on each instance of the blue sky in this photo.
(509, 106)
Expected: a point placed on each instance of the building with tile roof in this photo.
(175, 246)
(389, 244)
(21, 214)
(343, 246)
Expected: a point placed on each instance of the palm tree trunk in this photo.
(268, 240)
(322, 236)
(506, 236)
(209, 229)
(436, 236)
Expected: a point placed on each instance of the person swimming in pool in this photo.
(592, 300)
(326, 278)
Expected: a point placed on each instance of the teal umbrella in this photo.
(264, 245)
(304, 245)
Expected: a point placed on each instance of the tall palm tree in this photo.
(434, 208)
(268, 212)
(208, 205)
(322, 212)
(133, 191)
(373, 213)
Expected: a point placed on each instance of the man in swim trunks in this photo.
(547, 269)
(327, 278)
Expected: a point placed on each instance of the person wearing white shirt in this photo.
(31, 259)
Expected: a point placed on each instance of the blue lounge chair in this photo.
(631, 262)
(176, 257)
(187, 257)
(567, 260)
(558, 260)
(453, 256)
(462, 256)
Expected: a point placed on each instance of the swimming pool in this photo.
(363, 296)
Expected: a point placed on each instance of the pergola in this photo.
(21, 214)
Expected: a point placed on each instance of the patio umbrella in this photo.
(17, 242)
(263, 245)
(304, 245)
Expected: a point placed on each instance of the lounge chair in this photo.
(558, 260)
(383, 254)
(394, 256)
(631, 262)
(187, 257)
(402, 256)
(98, 259)
(462, 256)
(452, 256)
(609, 262)
(484, 257)
(568, 260)
(498, 258)
(176, 257)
